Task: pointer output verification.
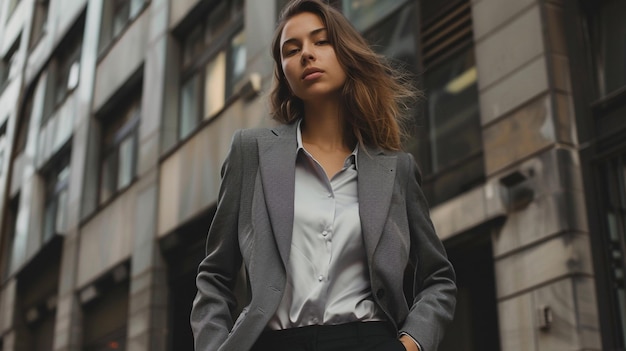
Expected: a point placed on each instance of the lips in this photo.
(311, 73)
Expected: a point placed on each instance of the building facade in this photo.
(115, 117)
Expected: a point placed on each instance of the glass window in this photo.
(40, 21)
(3, 146)
(447, 135)
(12, 6)
(615, 240)
(214, 85)
(23, 122)
(365, 13)
(55, 212)
(8, 65)
(121, 11)
(135, 7)
(189, 102)
(9, 237)
(65, 73)
(213, 61)
(116, 16)
(610, 45)
(237, 61)
(119, 149)
(452, 110)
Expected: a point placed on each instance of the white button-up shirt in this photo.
(327, 274)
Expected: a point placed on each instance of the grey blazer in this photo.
(253, 225)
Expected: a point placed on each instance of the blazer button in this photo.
(380, 293)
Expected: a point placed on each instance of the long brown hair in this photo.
(376, 96)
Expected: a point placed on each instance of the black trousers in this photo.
(361, 336)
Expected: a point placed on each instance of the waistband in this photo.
(330, 332)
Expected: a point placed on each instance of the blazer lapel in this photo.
(277, 162)
(376, 177)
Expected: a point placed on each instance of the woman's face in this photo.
(308, 59)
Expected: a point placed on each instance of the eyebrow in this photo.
(312, 33)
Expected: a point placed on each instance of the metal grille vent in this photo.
(447, 32)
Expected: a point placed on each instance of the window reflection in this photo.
(446, 132)
(615, 239)
(237, 61)
(610, 38)
(119, 148)
(452, 110)
(188, 107)
(364, 13)
(215, 85)
(213, 62)
(55, 212)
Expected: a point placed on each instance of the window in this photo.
(613, 214)
(446, 136)
(453, 142)
(40, 21)
(55, 208)
(9, 236)
(12, 5)
(213, 62)
(8, 66)
(608, 32)
(3, 146)
(119, 148)
(65, 72)
(23, 123)
(605, 157)
(365, 13)
(116, 16)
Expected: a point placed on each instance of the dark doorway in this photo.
(475, 325)
(183, 251)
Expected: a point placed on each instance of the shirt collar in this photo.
(353, 156)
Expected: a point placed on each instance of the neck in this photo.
(324, 126)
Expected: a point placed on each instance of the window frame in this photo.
(421, 142)
(65, 68)
(610, 322)
(3, 146)
(8, 64)
(201, 58)
(13, 4)
(54, 189)
(107, 34)
(593, 19)
(40, 22)
(8, 238)
(602, 113)
(129, 114)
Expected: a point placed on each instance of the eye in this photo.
(291, 52)
(322, 42)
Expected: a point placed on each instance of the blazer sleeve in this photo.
(215, 301)
(434, 288)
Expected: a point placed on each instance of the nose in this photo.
(306, 54)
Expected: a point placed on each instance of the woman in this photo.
(325, 211)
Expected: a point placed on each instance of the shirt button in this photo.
(330, 195)
(320, 278)
(325, 232)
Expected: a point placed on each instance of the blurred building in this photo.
(115, 117)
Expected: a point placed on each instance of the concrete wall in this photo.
(541, 252)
